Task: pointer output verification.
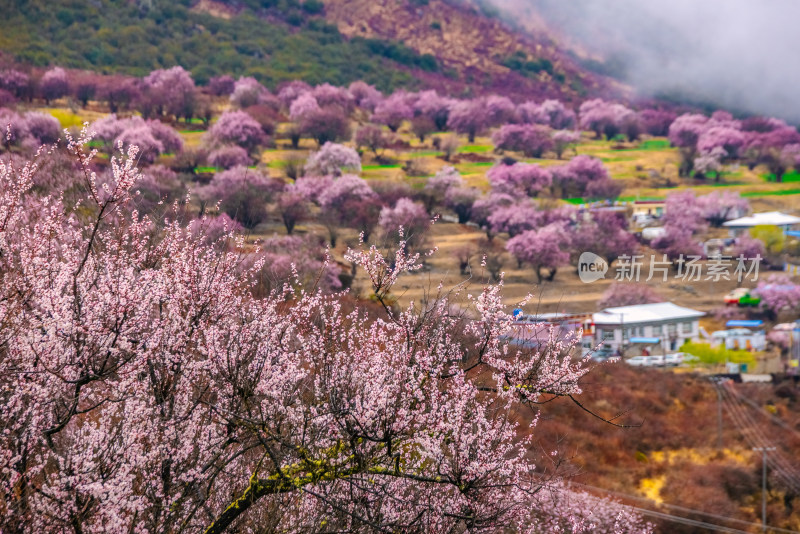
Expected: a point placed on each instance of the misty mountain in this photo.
(733, 53)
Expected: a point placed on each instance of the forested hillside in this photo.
(460, 50)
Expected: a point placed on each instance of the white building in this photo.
(740, 339)
(663, 324)
(768, 218)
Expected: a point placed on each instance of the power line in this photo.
(686, 521)
(683, 509)
(749, 429)
(777, 420)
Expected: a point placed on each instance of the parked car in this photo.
(643, 219)
(656, 361)
(639, 361)
(602, 354)
(733, 297)
(674, 359)
(750, 300)
(690, 359)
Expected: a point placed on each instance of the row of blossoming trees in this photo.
(326, 189)
(147, 386)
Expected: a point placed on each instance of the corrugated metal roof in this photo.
(645, 313)
(768, 218)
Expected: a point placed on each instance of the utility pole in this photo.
(719, 416)
(764, 451)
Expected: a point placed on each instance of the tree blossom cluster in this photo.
(160, 378)
(152, 137)
(708, 142)
(687, 215)
(27, 131)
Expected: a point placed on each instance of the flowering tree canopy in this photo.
(43, 128)
(293, 206)
(325, 125)
(469, 117)
(170, 91)
(302, 106)
(499, 109)
(226, 157)
(147, 384)
(446, 178)
(328, 95)
(574, 178)
(630, 294)
(365, 95)
(342, 189)
(158, 187)
(408, 216)
(778, 293)
(514, 218)
(54, 84)
(247, 92)
(433, 106)
(748, 247)
(374, 138)
(221, 85)
(545, 248)
(519, 179)
(15, 82)
(604, 118)
(729, 139)
(656, 121)
(393, 111)
(290, 91)
(563, 139)
(533, 140)
(242, 193)
(333, 159)
(237, 128)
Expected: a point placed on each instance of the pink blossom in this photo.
(328, 95)
(393, 111)
(239, 128)
(533, 140)
(778, 294)
(45, 129)
(730, 140)
(365, 95)
(242, 193)
(141, 137)
(247, 92)
(434, 106)
(226, 157)
(630, 294)
(469, 117)
(171, 91)
(302, 106)
(221, 85)
(54, 84)
(333, 159)
(289, 92)
(545, 248)
(406, 216)
(519, 179)
(153, 379)
(341, 189)
(574, 177)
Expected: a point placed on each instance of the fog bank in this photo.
(741, 54)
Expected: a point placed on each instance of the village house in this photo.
(661, 325)
(769, 218)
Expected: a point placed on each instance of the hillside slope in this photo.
(478, 47)
(389, 43)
